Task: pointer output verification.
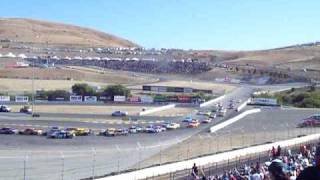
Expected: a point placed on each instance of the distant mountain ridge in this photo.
(37, 31)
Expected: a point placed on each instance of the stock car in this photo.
(204, 113)
(187, 119)
(193, 124)
(31, 131)
(213, 116)
(152, 129)
(173, 126)
(312, 121)
(79, 131)
(60, 134)
(7, 130)
(51, 130)
(205, 121)
(135, 129)
(5, 108)
(26, 109)
(121, 131)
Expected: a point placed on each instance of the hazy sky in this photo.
(188, 24)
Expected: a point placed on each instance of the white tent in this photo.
(77, 58)
(55, 57)
(23, 56)
(67, 58)
(0, 55)
(106, 58)
(96, 58)
(88, 58)
(10, 55)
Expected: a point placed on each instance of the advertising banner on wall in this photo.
(21, 98)
(75, 98)
(4, 98)
(90, 98)
(119, 98)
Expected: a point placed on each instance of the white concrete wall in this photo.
(157, 109)
(173, 167)
(233, 120)
(212, 101)
(243, 105)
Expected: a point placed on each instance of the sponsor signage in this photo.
(60, 99)
(21, 98)
(184, 99)
(146, 99)
(119, 98)
(187, 90)
(134, 99)
(4, 98)
(75, 98)
(264, 101)
(90, 98)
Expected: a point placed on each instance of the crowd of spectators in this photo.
(287, 165)
(179, 67)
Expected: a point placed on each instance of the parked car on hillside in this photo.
(119, 113)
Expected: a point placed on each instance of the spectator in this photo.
(276, 170)
(195, 171)
(313, 172)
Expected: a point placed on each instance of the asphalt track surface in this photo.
(36, 157)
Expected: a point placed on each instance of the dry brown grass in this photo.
(13, 79)
(28, 30)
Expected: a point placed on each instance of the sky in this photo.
(185, 24)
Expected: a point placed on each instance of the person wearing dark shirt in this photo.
(276, 170)
(313, 172)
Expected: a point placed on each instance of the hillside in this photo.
(35, 31)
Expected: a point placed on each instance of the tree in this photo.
(116, 90)
(83, 89)
(53, 95)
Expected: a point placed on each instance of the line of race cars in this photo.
(65, 133)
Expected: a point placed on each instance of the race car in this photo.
(79, 131)
(5, 108)
(173, 126)
(193, 124)
(205, 121)
(31, 131)
(312, 121)
(26, 109)
(60, 134)
(7, 130)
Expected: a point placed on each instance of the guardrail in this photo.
(153, 110)
(212, 101)
(202, 161)
(232, 120)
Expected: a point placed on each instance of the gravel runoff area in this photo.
(270, 125)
